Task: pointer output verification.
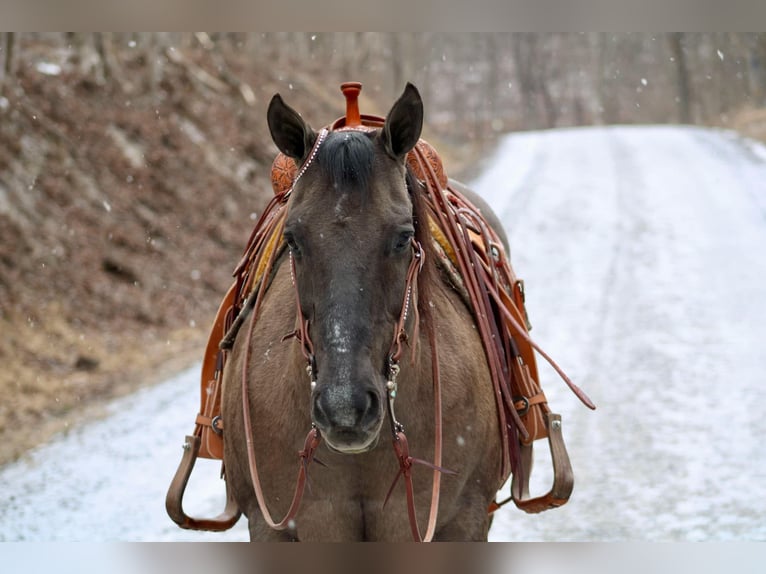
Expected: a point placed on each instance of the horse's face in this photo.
(349, 229)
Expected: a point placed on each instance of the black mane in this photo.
(347, 156)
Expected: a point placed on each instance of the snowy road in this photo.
(644, 255)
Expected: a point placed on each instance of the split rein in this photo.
(313, 438)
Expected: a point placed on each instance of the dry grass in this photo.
(749, 122)
(58, 376)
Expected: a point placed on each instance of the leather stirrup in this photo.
(563, 477)
(174, 498)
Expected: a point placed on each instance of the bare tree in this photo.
(758, 64)
(155, 57)
(400, 60)
(528, 80)
(676, 41)
(109, 64)
(532, 70)
(522, 65)
(9, 59)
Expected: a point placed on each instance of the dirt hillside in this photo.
(125, 202)
(122, 214)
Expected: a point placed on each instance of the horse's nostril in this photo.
(371, 411)
(320, 415)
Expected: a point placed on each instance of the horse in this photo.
(354, 231)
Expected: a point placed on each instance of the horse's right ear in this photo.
(293, 136)
(403, 123)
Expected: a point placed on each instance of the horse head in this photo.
(350, 230)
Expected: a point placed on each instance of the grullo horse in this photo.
(356, 296)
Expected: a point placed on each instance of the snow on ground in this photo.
(643, 254)
(106, 481)
(642, 250)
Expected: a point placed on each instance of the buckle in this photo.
(214, 425)
(524, 408)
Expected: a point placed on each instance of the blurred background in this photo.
(133, 166)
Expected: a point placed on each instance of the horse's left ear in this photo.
(293, 136)
(403, 123)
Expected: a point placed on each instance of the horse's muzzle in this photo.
(349, 418)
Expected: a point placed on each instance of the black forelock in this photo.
(347, 156)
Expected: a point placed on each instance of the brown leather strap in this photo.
(438, 442)
(526, 402)
(306, 457)
(455, 233)
(408, 303)
(302, 332)
(312, 441)
(522, 333)
(485, 279)
(401, 446)
(212, 371)
(216, 422)
(174, 497)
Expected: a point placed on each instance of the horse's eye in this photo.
(403, 241)
(292, 244)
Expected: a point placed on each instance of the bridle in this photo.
(393, 357)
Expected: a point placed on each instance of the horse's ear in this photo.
(403, 123)
(293, 136)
